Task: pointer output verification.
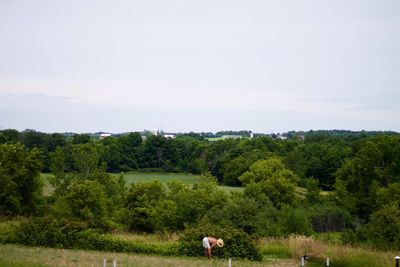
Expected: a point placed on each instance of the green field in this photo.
(22, 256)
(136, 177)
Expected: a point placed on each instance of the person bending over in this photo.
(210, 242)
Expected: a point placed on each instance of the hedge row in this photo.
(49, 232)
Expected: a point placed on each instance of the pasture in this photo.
(137, 176)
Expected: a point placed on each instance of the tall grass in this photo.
(339, 255)
(155, 239)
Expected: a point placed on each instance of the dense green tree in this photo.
(11, 135)
(319, 161)
(3, 138)
(112, 155)
(214, 153)
(86, 159)
(388, 195)
(275, 180)
(159, 152)
(20, 184)
(84, 201)
(383, 229)
(61, 167)
(187, 151)
(81, 139)
(130, 147)
(141, 198)
(376, 164)
(234, 168)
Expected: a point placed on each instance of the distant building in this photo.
(169, 136)
(104, 135)
(282, 136)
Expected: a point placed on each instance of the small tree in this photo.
(85, 201)
(20, 184)
(383, 230)
(277, 182)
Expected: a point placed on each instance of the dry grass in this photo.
(156, 239)
(317, 251)
(12, 255)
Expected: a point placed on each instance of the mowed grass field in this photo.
(22, 256)
(136, 177)
(163, 177)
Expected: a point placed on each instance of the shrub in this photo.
(20, 184)
(237, 242)
(294, 221)
(85, 201)
(383, 230)
(49, 232)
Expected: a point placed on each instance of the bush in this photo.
(85, 201)
(383, 230)
(237, 243)
(48, 232)
(20, 183)
(294, 221)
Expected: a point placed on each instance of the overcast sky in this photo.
(265, 66)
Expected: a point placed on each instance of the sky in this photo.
(199, 65)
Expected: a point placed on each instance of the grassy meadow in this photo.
(137, 176)
(21, 256)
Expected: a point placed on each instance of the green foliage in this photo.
(328, 217)
(152, 207)
(383, 230)
(141, 198)
(85, 201)
(240, 212)
(376, 165)
(318, 160)
(234, 168)
(20, 184)
(294, 221)
(237, 243)
(273, 179)
(85, 160)
(267, 169)
(50, 232)
(208, 177)
(80, 139)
